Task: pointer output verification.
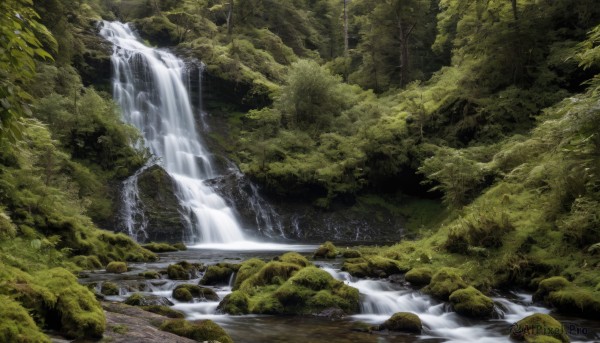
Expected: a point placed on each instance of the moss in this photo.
(538, 325)
(138, 299)
(87, 262)
(80, 313)
(247, 269)
(206, 330)
(116, 267)
(357, 267)
(272, 273)
(471, 302)
(267, 304)
(183, 270)
(294, 258)
(150, 274)
(445, 282)
(312, 278)
(372, 266)
(120, 328)
(235, 303)
(183, 294)
(197, 292)
(16, 325)
(164, 311)
(419, 276)
(550, 285)
(542, 339)
(568, 298)
(180, 246)
(218, 274)
(326, 250)
(109, 288)
(160, 247)
(404, 322)
(349, 253)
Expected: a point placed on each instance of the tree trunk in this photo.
(230, 17)
(346, 52)
(514, 8)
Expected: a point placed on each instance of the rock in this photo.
(294, 258)
(372, 266)
(404, 322)
(138, 299)
(116, 267)
(471, 302)
(150, 274)
(362, 327)
(109, 288)
(419, 276)
(164, 311)
(445, 282)
(349, 253)
(536, 327)
(160, 247)
(184, 270)
(235, 303)
(182, 294)
(247, 269)
(219, 274)
(205, 330)
(196, 292)
(332, 313)
(568, 298)
(326, 250)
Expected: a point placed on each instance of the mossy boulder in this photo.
(150, 274)
(164, 311)
(445, 282)
(196, 292)
(246, 270)
(294, 258)
(206, 330)
(536, 327)
(235, 303)
(350, 253)
(568, 298)
(471, 302)
(116, 267)
(403, 322)
(161, 247)
(219, 274)
(183, 294)
(372, 266)
(184, 270)
(138, 299)
(87, 262)
(419, 276)
(16, 324)
(109, 288)
(326, 250)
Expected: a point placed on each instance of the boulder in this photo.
(445, 282)
(471, 302)
(403, 322)
(138, 299)
(537, 327)
(419, 276)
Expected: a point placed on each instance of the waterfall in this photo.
(150, 85)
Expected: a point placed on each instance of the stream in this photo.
(380, 298)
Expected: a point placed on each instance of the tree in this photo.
(19, 47)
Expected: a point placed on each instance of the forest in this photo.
(462, 134)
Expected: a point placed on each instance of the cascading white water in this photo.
(150, 88)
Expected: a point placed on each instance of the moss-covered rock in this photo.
(568, 298)
(404, 322)
(116, 267)
(180, 246)
(196, 292)
(471, 302)
(246, 270)
(445, 282)
(326, 250)
(294, 258)
(164, 311)
(109, 288)
(536, 326)
(150, 274)
(350, 253)
(16, 325)
(183, 294)
(206, 330)
(372, 266)
(138, 299)
(419, 276)
(235, 303)
(219, 274)
(160, 247)
(87, 262)
(184, 270)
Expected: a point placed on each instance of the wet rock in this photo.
(181, 293)
(332, 313)
(109, 288)
(147, 300)
(205, 330)
(568, 298)
(219, 274)
(419, 276)
(471, 302)
(445, 282)
(184, 270)
(404, 322)
(537, 327)
(326, 250)
(116, 267)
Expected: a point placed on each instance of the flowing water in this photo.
(150, 85)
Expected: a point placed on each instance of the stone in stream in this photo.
(138, 299)
(538, 328)
(419, 276)
(109, 288)
(471, 302)
(219, 274)
(404, 322)
(187, 293)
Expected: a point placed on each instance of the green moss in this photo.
(16, 325)
(266, 304)
(419, 276)
(445, 282)
(542, 339)
(550, 285)
(80, 313)
(538, 325)
(87, 262)
(273, 273)
(311, 277)
(183, 294)
(294, 258)
(119, 328)
(247, 269)
(206, 330)
(372, 266)
(235, 303)
(218, 274)
(138, 299)
(177, 272)
(160, 247)
(350, 253)
(197, 292)
(404, 322)
(357, 267)
(471, 302)
(164, 311)
(116, 267)
(150, 274)
(568, 298)
(109, 288)
(326, 250)
(180, 246)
